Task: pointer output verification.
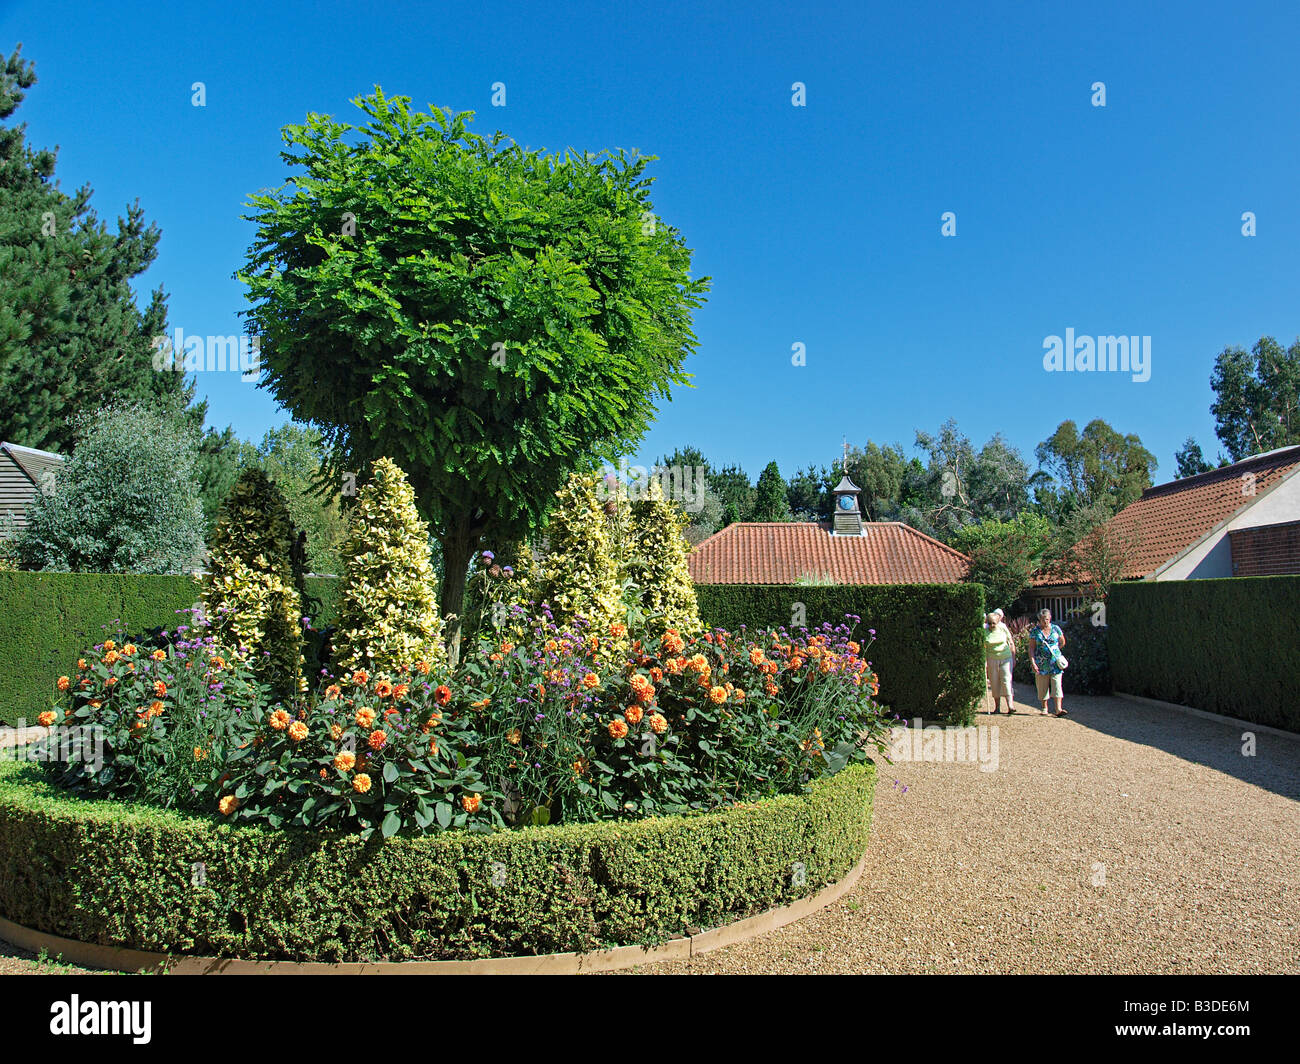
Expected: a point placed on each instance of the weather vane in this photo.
(846, 456)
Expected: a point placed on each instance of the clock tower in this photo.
(847, 517)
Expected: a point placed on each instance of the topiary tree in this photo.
(579, 575)
(388, 594)
(252, 596)
(655, 563)
(125, 501)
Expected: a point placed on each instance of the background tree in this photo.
(808, 494)
(1257, 397)
(1188, 460)
(1090, 553)
(705, 515)
(491, 317)
(769, 496)
(1097, 470)
(125, 501)
(733, 487)
(1005, 554)
(70, 331)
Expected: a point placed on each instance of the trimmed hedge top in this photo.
(152, 880)
(928, 650)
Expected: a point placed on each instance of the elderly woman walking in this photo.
(999, 658)
(1048, 661)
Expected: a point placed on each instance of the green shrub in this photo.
(137, 877)
(125, 501)
(1226, 646)
(654, 560)
(928, 649)
(388, 595)
(579, 575)
(252, 595)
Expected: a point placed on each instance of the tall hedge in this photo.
(928, 650)
(48, 619)
(1226, 646)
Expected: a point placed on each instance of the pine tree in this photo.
(388, 595)
(579, 575)
(252, 597)
(656, 564)
(770, 500)
(70, 330)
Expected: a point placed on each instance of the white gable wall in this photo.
(1212, 557)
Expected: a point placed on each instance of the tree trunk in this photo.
(457, 546)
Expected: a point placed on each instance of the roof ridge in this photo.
(1279, 457)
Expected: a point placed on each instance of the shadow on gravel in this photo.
(1275, 765)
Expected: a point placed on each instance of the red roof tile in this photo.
(785, 552)
(1171, 517)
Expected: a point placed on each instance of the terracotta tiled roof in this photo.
(785, 552)
(1171, 517)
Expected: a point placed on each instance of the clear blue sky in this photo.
(819, 225)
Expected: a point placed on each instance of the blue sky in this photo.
(819, 225)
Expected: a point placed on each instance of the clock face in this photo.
(846, 502)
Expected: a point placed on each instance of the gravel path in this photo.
(973, 871)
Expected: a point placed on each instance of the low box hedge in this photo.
(48, 619)
(1226, 646)
(147, 879)
(928, 652)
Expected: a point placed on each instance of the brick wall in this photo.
(1266, 550)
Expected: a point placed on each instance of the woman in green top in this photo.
(999, 659)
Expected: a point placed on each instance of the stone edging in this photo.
(91, 955)
(1235, 721)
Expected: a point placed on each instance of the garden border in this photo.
(88, 954)
(615, 894)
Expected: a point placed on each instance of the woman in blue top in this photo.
(1048, 663)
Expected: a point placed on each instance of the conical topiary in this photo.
(579, 576)
(251, 598)
(655, 562)
(388, 594)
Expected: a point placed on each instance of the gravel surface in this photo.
(1002, 871)
(1123, 838)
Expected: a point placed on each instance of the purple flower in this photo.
(488, 556)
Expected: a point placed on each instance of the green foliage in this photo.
(1189, 461)
(491, 317)
(254, 593)
(126, 500)
(293, 456)
(388, 596)
(731, 484)
(48, 619)
(1257, 397)
(1086, 649)
(1094, 469)
(71, 334)
(1005, 554)
(928, 649)
(109, 872)
(770, 503)
(1227, 646)
(578, 577)
(654, 560)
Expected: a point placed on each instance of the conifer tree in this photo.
(656, 563)
(579, 575)
(70, 330)
(251, 597)
(388, 595)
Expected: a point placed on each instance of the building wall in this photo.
(1273, 550)
(1212, 559)
(16, 491)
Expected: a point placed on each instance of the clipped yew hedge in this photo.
(138, 877)
(48, 619)
(928, 651)
(1227, 646)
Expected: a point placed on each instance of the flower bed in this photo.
(131, 875)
